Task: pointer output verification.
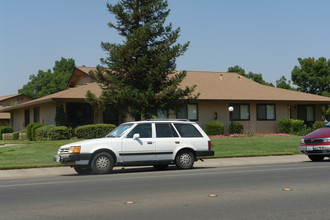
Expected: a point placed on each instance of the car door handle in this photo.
(150, 142)
(177, 142)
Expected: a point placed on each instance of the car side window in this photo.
(165, 130)
(188, 130)
(143, 129)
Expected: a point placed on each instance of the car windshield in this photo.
(119, 131)
(327, 125)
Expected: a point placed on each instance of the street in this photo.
(267, 191)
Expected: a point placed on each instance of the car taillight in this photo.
(210, 145)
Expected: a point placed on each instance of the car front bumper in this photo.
(73, 159)
(315, 149)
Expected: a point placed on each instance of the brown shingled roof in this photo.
(232, 86)
(217, 86)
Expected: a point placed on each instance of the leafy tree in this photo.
(253, 76)
(312, 76)
(283, 83)
(139, 74)
(47, 82)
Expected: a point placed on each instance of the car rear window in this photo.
(188, 130)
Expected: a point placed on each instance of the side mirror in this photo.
(136, 136)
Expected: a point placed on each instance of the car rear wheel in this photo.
(316, 157)
(102, 163)
(185, 159)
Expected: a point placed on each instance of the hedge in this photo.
(318, 124)
(93, 130)
(214, 128)
(42, 133)
(30, 130)
(235, 128)
(59, 133)
(293, 126)
(4, 130)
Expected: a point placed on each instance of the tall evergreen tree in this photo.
(139, 75)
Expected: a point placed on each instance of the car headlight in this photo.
(302, 141)
(74, 150)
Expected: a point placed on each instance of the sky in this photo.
(261, 36)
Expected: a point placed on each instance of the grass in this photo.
(31, 154)
(255, 146)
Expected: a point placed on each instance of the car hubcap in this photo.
(103, 163)
(185, 159)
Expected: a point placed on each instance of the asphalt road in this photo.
(241, 192)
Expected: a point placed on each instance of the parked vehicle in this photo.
(155, 142)
(316, 145)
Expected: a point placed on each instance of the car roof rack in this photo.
(166, 119)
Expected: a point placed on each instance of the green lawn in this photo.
(30, 154)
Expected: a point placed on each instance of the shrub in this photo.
(30, 130)
(4, 130)
(59, 133)
(235, 128)
(42, 133)
(94, 130)
(292, 126)
(318, 124)
(16, 134)
(214, 128)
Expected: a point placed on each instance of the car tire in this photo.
(102, 163)
(316, 157)
(161, 166)
(185, 159)
(83, 170)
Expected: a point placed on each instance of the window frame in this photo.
(238, 106)
(187, 112)
(266, 119)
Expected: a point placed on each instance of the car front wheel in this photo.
(316, 157)
(83, 170)
(102, 163)
(185, 159)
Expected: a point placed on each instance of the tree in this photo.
(283, 83)
(139, 75)
(47, 82)
(312, 76)
(253, 76)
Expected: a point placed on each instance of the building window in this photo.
(306, 113)
(189, 111)
(26, 117)
(241, 112)
(266, 112)
(36, 115)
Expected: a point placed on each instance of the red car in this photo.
(316, 145)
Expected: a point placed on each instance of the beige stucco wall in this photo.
(207, 113)
(47, 116)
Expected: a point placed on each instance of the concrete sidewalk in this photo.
(218, 162)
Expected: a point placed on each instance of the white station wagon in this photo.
(155, 142)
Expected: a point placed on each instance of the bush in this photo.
(16, 134)
(293, 126)
(94, 130)
(59, 133)
(4, 130)
(30, 130)
(235, 128)
(318, 124)
(42, 133)
(214, 128)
